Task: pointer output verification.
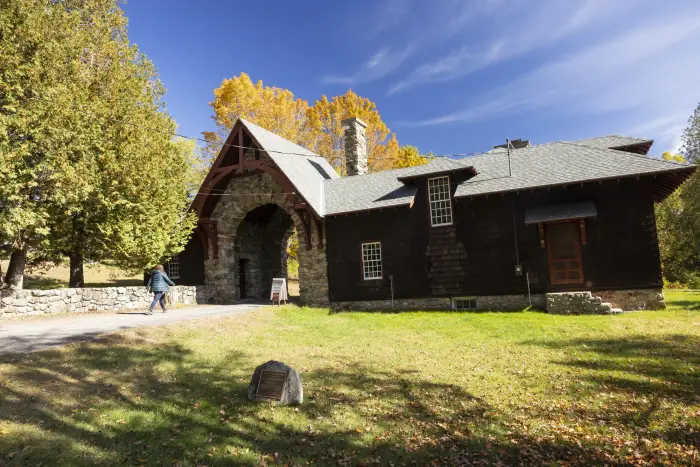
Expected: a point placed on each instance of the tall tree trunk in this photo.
(2, 278)
(15, 271)
(77, 278)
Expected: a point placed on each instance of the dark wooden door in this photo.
(564, 251)
(242, 266)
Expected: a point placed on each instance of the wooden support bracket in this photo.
(582, 227)
(210, 227)
(319, 232)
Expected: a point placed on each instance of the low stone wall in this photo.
(634, 300)
(577, 303)
(605, 302)
(483, 302)
(89, 299)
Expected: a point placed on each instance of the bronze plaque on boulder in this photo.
(276, 382)
(271, 384)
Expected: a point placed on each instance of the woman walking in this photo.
(159, 283)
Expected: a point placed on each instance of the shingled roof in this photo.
(558, 163)
(381, 189)
(307, 171)
(613, 141)
(543, 165)
(538, 166)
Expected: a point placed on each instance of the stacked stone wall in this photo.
(25, 302)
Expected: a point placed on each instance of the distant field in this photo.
(95, 276)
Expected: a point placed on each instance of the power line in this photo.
(224, 144)
(193, 138)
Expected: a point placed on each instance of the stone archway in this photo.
(260, 250)
(248, 204)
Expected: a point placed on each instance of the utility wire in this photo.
(223, 144)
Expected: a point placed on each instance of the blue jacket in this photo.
(159, 281)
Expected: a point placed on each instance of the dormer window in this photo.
(439, 200)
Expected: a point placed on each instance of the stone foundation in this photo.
(634, 299)
(31, 302)
(483, 303)
(509, 302)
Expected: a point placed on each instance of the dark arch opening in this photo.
(260, 249)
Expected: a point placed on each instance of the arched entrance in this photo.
(260, 250)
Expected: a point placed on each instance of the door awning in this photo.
(560, 212)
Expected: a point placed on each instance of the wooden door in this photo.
(564, 251)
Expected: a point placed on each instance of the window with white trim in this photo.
(440, 203)
(372, 260)
(174, 267)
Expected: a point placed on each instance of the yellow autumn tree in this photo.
(318, 128)
(274, 109)
(325, 122)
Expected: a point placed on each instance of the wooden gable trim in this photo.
(310, 218)
(216, 168)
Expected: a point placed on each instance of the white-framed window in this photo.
(440, 202)
(174, 267)
(464, 303)
(372, 260)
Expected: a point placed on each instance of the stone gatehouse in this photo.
(254, 222)
(517, 225)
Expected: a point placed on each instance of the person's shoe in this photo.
(165, 311)
(150, 312)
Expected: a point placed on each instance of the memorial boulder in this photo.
(276, 382)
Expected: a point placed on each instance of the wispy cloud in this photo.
(522, 29)
(380, 64)
(608, 76)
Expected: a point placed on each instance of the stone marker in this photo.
(277, 382)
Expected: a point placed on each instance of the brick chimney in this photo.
(355, 146)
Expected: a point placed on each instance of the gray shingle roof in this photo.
(381, 189)
(532, 167)
(307, 171)
(559, 212)
(555, 164)
(612, 141)
(371, 191)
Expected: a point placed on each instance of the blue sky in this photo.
(448, 76)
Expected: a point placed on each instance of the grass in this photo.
(425, 388)
(57, 277)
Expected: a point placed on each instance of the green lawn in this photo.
(425, 388)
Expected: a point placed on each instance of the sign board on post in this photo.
(278, 291)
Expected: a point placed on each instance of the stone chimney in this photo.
(355, 146)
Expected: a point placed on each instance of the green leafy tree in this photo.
(678, 217)
(77, 180)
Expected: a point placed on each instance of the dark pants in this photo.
(158, 297)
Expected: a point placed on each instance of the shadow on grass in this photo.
(688, 305)
(657, 367)
(182, 410)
